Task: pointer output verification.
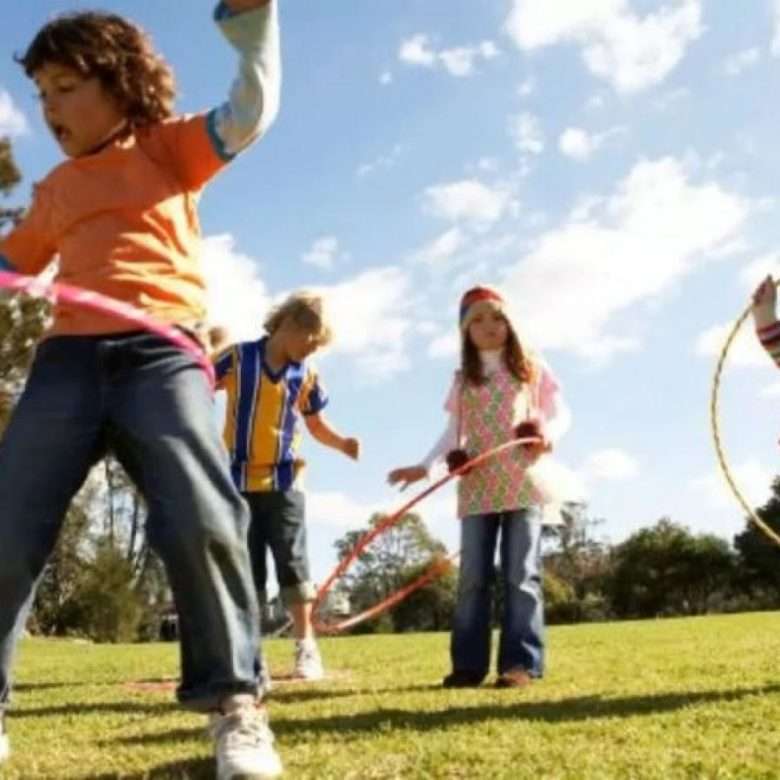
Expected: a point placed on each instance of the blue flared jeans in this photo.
(522, 622)
(148, 402)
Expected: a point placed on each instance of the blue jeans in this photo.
(144, 399)
(522, 623)
(278, 522)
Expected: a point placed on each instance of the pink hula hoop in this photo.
(68, 293)
(438, 568)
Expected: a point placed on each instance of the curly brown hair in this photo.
(515, 358)
(115, 51)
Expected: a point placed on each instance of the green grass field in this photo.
(694, 698)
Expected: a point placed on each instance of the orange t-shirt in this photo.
(124, 222)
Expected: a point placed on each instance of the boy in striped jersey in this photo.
(269, 389)
(765, 318)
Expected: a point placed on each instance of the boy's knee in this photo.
(300, 593)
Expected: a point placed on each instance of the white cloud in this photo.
(444, 346)
(744, 352)
(468, 199)
(771, 392)
(653, 231)
(12, 120)
(629, 51)
(385, 78)
(776, 27)
(417, 51)
(382, 163)
(576, 143)
(753, 480)
(458, 61)
(439, 251)
(741, 61)
(757, 270)
(330, 508)
(322, 253)
(238, 298)
(581, 145)
(527, 87)
(610, 465)
(526, 132)
(370, 316)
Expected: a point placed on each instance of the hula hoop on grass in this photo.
(68, 293)
(436, 569)
(716, 437)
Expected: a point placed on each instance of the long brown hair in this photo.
(515, 358)
(116, 52)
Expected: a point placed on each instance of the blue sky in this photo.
(612, 164)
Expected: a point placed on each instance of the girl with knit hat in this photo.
(501, 391)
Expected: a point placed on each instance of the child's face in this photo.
(79, 112)
(298, 343)
(488, 329)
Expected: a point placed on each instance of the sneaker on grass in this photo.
(5, 747)
(308, 664)
(243, 741)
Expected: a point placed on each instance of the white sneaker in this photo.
(308, 664)
(244, 743)
(266, 684)
(5, 747)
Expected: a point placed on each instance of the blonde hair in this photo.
(305, 311)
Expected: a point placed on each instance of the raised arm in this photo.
(252, 28)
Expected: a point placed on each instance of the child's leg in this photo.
(470, 642)
(165, 434)
(283, 515)
(522, 627)
(51, 442)
(258, 549)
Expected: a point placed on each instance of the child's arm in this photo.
(322, 431)
(447, 441)
(765, 318)
(202, 144)
(252, 27)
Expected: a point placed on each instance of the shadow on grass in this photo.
(575, 709)
(85, 708)
(195, 769)
(566, 710)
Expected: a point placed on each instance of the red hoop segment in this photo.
(56, 291)
(387, 523)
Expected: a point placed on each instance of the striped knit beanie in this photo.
(478, 299)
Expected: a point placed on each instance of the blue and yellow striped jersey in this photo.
(262, 424)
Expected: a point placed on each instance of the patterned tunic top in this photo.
(488, 414)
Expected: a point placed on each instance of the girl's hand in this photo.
(535, 450)
(351, 448)
(407, 475)
(764, 303)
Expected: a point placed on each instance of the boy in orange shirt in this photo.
(121, 214)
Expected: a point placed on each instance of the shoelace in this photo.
(244, 727)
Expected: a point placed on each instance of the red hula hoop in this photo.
(68, 293)
(388, 522)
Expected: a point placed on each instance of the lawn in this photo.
(691, 698)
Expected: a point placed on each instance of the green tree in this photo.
(666, 570)
(394, 559)
(759, 556)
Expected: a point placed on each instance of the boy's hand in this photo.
(351, 448)
(407, 475)
(237, 6)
